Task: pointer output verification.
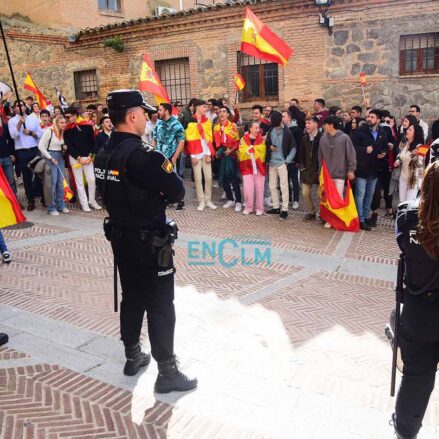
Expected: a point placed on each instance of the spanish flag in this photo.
(341, 214)
(363, 81)
(30, 85)
(251, 158)
(10, 212)
(239, 82)
(422, 150)
(68, 193)
(260, 41)
(150, 81)
(196, 131)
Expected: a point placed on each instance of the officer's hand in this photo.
(194, 162)
(207, 159)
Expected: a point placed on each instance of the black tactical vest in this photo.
(421, 271)
(128, 205)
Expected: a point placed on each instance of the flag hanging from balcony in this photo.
(10, 212)
(30, 85)
(340, 213)
(239, 82)
(260, 41)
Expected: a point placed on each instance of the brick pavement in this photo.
(292, 349)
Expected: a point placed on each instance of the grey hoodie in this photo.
(339, 155)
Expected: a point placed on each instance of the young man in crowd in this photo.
(80, 141)
(257, 116)
(226, 139)
(309, 163)
(105, 133)
(45, 119)
(320, 110)
(416, 111)
(281, 150)
(29, 102)
(338, 152)
(371, 146)
(200, 147)
(26, 148)
(355, 113)
(168, 137)
(293, 167)
(268, 110)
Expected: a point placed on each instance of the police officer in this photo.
(135, 184)
(418, 238)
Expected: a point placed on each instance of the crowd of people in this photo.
(275, 156)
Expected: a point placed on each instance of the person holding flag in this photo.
(51, 148)
(199, 145)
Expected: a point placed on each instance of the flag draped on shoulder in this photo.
(30, 85)
(197, 131)
(10, 212)
(251, 157)
(340, 213)
(260, 41)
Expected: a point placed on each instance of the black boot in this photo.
(397, 434)
(170, 379)
(3, 338)
(135, 359)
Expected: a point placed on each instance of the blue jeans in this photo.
(182, 165)
(8, 169)
(24, 156)
(56, 201)
(3, 247)
(293, 175)
(364, 190)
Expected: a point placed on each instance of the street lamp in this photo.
(324, 19)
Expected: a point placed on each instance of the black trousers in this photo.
(383, 184)
(419, 343)
(293, 176)
(24, 156)
(146, 287)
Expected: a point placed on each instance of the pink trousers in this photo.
(254, 185)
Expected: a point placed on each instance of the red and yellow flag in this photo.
(30, 85)
(150, 81)
(260, 41)
(251, 158)
(239, 82)
(340, 213)
(194, 132)
(363, 81)
(68, 193)
(10, 212)
(422, 150)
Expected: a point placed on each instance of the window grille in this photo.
(86, 84)
(175, 77)
(419, 54)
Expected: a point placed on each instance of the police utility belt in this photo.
(160, 245)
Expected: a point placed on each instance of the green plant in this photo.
(116, 43)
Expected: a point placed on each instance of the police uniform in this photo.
(419, 330)
(135, 184)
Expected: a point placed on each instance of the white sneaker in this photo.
(201, 206)
(268, 202)
(95, 206)
(238, 207)
(223, 196)
(328, 226)
(65, 210)
(53, 213)
(210, 205)
(246, 212)
(228, 204)
(259, 212)
(86, 209)
(295, 205)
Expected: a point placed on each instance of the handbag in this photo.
(394, 179)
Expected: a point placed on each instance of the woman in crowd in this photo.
(355, 124)
(407, 122)
(36, 110)
(411, 163)
(251, 158)
(51, 147)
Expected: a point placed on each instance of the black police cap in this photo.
(122, 99)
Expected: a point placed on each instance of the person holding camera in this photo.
(417, 226)
(51, 147)
(136, 183)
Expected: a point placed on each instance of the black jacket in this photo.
(288, 143)
(80, 141)
(368, 164)
(6, 142)
(297, 135)
(101, 140)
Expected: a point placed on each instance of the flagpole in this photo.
(12, 71)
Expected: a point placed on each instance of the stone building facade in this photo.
(200, 47)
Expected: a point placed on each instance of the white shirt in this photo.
(206, 151)
(149, 129)
(23, 141)
(55, 144)
(424, 126)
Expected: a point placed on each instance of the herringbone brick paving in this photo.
(307, 357)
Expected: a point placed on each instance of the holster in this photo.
(164, 244)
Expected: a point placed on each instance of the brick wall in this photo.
(322, 65)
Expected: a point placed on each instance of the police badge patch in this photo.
(167, 166)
